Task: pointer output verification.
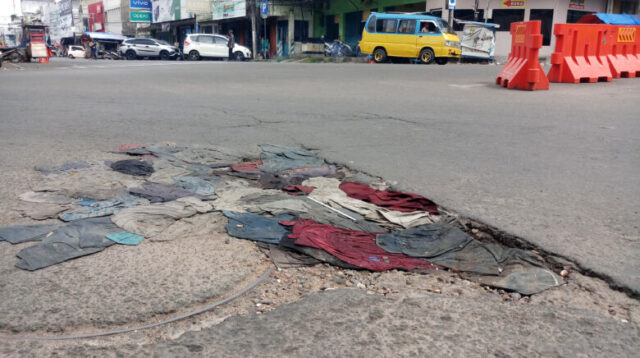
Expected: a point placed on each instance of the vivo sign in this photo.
(140, 4)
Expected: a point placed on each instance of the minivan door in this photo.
(407, 39)
(429, 35)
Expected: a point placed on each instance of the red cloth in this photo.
(354, 247)
(299, 189)
(124, 147)
(393, 200)
(248, 167)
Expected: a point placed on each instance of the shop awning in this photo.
(106, 36)
(611, 19)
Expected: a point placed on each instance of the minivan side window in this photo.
(428, 27)
(407, 26)
(371, 26)
(386, 25)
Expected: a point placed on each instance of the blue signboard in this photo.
(452, 4)
(140, 4)
(264, 7)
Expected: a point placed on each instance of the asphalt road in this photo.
(559, 168)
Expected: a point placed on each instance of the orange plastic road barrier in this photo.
(624, 51)
(523, 70)
(43, 59)
(581, 54)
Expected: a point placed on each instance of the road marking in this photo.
(471, 85)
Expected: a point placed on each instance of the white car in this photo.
(75, 51)
(197, 46)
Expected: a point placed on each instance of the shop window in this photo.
(504, 18)
(574, 15)
(465, 15)
(371, 27)
(407, 26)
(301, 31)
(386, 25)
(546, 17)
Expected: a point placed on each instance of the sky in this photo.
(7, 7)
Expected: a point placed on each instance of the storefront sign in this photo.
(513, 4)
(140, 16)
(228, 9)
(264, 8)
(576, 4)
(166, 10)
(140, 4)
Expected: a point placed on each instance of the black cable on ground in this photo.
(151, 325)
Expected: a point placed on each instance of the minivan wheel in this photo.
(194, 55)
(164, 56)
(442, 60)
(238, 56)
(427, 56)
(380, 55)
(131, 55)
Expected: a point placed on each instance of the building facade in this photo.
(344, 20)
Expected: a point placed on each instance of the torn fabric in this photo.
(354, 247)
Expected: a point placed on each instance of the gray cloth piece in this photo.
(18, 234)
(95, 184)
(281, 180)
(285, 258)
(40, 211)
(424, 241)
(151, 220)
(448, 246)
(104, 208)
(45, 197)
(132, 167)
(256, 227)
(71, 166)
(197, 225)
(277, 158)
(79, 238)
(195, 185)
(158, 193)
(525, 279)
(164, 172)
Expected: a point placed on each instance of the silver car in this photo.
(142, 47)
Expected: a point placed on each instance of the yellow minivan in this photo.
(426, 38)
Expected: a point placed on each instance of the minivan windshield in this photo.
(444, 26)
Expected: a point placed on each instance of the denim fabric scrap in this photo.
(256, 227)
(17, 234)
(158, 193)
(72, 240)
(195, 185)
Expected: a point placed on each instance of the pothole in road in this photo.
(295, 280)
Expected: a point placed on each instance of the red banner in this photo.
(96, 17)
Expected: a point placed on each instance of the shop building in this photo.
(344, 20)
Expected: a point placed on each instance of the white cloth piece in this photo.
(328, 191)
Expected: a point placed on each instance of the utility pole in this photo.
(254, 6)
(475, 11)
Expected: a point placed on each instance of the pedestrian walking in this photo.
(230, 44)
(94, 49)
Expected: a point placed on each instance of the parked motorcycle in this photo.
(337, 48)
